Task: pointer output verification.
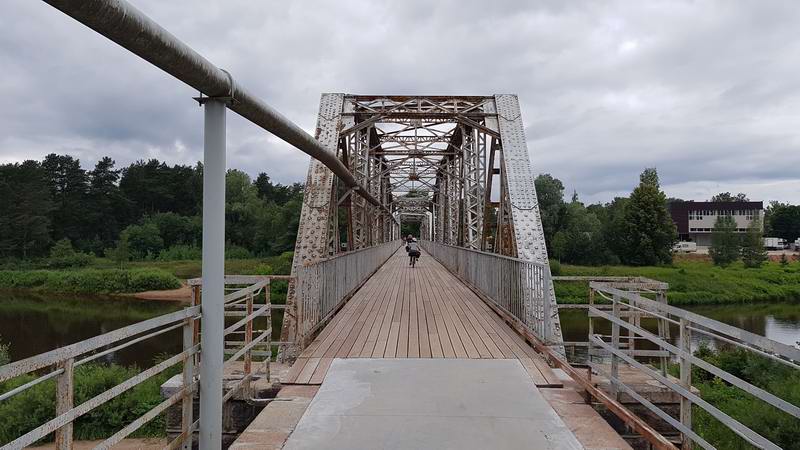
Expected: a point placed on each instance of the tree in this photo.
(121, 253)
(25, 207)
(727, 197)
(550, 194)
(107, 208)
(725, 243)
(753, 253)
(648, 232)
(68, 184)
(581, 239)
(143, 240)
(784, 220)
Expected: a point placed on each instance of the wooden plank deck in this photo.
(421, 312)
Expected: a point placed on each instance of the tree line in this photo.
(638, 230)
(146, 210)
(635, 230)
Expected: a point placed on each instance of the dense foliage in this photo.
(90, 280)
(148, 210)
(778, 379)
(635, 231)
(35, 406)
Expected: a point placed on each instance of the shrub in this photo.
(555, 267)
(180, 253)
(63, 256)
(90, 281)
(237, 252)
(143, 240)
(36, 406)
(4, 353)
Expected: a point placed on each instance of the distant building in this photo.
(695, 220)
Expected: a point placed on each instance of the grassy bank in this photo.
(103, 276)
(90, 280)
(699, 282)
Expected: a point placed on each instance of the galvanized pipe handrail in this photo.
(688, 322)
(124, 24)
(519, 288)
(66, 359)
(323, 286)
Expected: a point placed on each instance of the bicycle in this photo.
(413, 259)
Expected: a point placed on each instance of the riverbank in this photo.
(693, 282)
(90, 280)
(146, 280)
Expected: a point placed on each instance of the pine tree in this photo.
(753, 253)
(648, 232)
(725, 243)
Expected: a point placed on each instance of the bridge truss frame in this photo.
(457, 165)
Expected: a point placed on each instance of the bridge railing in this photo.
(519, 288)
(627, 305)
(251, 330)
(324, 286)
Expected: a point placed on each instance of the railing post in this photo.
(590, 345)
(248, 337)
(187, 407)
(615, 346)
(686, 380)
(213, 275)
(64, 400)
(547, 332)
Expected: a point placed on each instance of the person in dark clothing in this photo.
(413, 252)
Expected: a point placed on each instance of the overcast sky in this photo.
(707, 92)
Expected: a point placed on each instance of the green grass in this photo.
(90, 280)
(698, 282)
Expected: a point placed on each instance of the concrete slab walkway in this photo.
(430, 404)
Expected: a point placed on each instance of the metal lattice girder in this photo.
(524, 206)
(313, 234)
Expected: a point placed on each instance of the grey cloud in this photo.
(705, 91)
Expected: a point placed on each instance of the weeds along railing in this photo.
(520, 288)
(324, 286)
(58, 365)
(626, 304)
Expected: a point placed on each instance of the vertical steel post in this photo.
(616, 347)
(187, 404)
(213, 316)
(684, 344)
(64, 403)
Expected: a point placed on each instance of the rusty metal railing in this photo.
(520, 288)
(324, 286)
(627, 305)
(247, 337)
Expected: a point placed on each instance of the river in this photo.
(34, 323)
(777, 321)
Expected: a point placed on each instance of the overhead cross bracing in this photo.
(457, 165)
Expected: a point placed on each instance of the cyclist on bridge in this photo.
(412, 248)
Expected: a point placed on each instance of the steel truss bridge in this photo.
(445, 352)
(457, 165)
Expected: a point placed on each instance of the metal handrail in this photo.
(625, 302)
(519, 288)
(324, 286)
(62, 362)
